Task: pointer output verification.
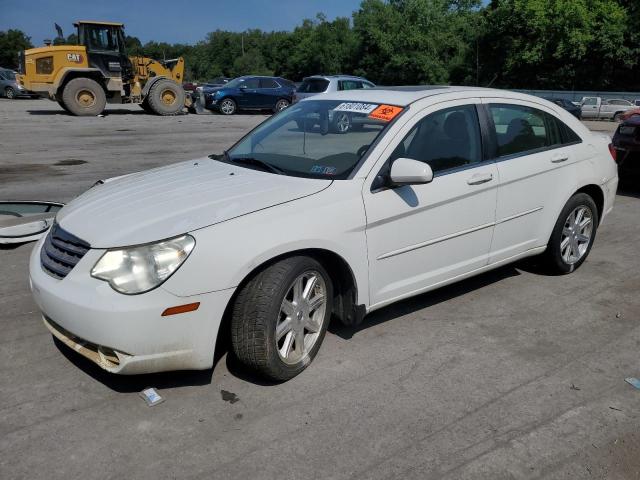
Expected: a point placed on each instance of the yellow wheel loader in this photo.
(83, 78)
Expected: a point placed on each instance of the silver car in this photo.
(9, 87)
(329, 83)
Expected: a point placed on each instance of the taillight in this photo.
(613, 152)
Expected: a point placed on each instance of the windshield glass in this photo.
(315, 138)
(8, 74)
(236, 82)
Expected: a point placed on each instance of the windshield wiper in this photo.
(255, 163)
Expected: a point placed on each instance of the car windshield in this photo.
(314, 138)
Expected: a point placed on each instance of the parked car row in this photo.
(253, 92)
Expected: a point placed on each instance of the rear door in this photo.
(535, 152)
(269, 92)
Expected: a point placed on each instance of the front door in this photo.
(249, 96)
(420, 236)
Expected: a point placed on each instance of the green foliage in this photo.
(555, 44)
(12, 42)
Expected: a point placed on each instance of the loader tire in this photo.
(64, 107)
(165, 97)
(84, 97)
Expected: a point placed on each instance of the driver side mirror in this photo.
(406, 171)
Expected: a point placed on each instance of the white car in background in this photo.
(295, 224)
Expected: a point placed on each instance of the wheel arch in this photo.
(69, 74)
(345, 306)
(595, 192)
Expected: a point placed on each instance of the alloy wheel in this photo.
(301, 316)
(576, 235)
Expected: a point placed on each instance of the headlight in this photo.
(145, 267)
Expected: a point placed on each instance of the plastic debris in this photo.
(151, 396)
(635, 382)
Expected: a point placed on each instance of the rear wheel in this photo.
(84, 97)
(10, 93)
(228, 106)
(617, 117)
(573, 234)
(165, 98)
(280, 317)
(341, 122)
(281, 105)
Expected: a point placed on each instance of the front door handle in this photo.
(480, 178)
(559, 158)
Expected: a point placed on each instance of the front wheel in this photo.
(280, 317)
(573, 234)
(165, 98)
(228, 106)
(10, 93)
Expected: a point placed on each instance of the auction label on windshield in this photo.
(385, 113)
(355, 107)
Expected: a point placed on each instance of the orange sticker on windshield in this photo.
(385, 113)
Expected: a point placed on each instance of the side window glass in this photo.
(348, 85)
(252, 83)
(446, 139)
(519, 129)
(268, 83)
(590, 101)
(367, 85)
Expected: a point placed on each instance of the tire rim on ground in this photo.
(10, 93)
(86, 98)
(301, 317)
(576, 235)
(227, 107)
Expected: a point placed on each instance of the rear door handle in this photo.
(480, 178)
(559, 158)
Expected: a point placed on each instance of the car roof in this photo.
(327, 77)
(403, 96)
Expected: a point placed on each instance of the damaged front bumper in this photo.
(126, 334)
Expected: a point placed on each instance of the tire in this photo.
(228, 106)
(259, 311)
(10, 93)
(165, 98)
(281, 105)
(560, 258)
(341, 123)
(145, 106)
(84, 97)
(64, 107)
(617, 117)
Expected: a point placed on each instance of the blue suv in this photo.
(250, 93)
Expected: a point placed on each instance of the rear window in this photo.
(268, 83)
(313, 85)
(522, 129)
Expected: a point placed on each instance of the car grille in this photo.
(61, 252)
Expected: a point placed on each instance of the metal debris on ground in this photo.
(635, 382)
(151, 396)
(25, 221)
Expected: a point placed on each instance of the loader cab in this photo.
(105, 46)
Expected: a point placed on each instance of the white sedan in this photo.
(337, 206)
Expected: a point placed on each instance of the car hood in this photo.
(169, 201)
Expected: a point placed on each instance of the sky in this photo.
(166, 20)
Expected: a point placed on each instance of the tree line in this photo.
(537, 44)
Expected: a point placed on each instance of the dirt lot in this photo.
(513, 374)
